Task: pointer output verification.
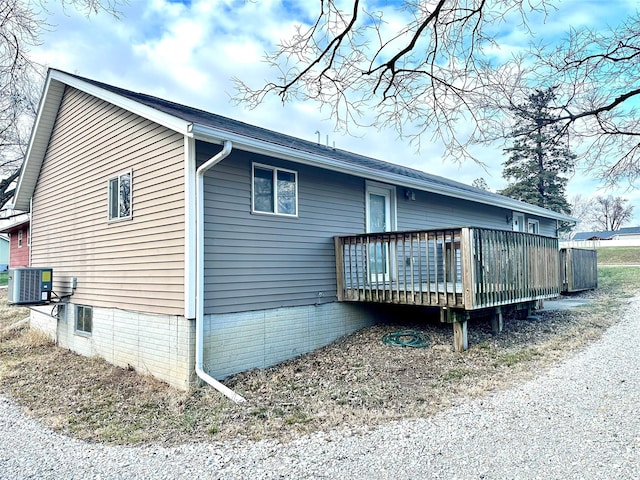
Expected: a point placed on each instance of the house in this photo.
(4, 253)
(178, 237)
(18, 241)
(628, 233)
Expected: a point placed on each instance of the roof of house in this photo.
(606, 235)
(15, 224)
(213, 128)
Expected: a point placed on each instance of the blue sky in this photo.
(188, 52)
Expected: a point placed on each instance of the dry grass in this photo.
(355, 383)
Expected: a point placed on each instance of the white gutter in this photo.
(217, 158)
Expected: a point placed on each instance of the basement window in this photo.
(84, 319)
(120, 196)
(275, 191)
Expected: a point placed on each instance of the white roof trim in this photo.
(164, 119)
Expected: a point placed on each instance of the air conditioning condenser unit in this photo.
(29, 286)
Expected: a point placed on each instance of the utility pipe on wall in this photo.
(217, 158)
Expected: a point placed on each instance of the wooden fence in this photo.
(578, 269)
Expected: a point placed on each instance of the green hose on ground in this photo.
(406, 338)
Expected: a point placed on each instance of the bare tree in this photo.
(610, 213)
(21, 23)
(598, 74)
(437, 75)
(582, 208)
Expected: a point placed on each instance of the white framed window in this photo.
(274, 190)
(533, 226)
(20, 234)
(84, 319)
(120, 196)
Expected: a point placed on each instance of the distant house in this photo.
(4, 253)
(185, 242)
(628, 233)
(18, 241)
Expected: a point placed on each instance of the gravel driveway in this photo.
(577, 421)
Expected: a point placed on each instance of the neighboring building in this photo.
(4, 253)
(180, 237)
(627, 233)
(19, 241)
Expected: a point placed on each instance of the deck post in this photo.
(339, 268)
(468, 270)
(460, 341)
(497, 322)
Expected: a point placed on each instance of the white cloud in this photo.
(189, 53)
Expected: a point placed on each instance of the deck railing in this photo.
(468, 268)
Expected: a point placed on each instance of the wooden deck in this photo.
(461, 268)
(463, 271)
(449, 293)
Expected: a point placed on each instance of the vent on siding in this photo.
(29, 286)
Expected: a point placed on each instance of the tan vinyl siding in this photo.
(135, 264)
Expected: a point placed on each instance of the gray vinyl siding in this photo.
(256, 261)
(548, 227)
(430, 210)
(135, 264)
(259, 262)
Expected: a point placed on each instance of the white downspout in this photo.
(217, 158)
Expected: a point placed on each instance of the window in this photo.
(120, 196)
(533, 226)
(20, 234)
(275, 191)
(84, 319)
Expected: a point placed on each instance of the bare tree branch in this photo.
(439, 72)
(21, 22)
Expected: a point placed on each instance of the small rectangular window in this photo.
(533, 226)
(120, 196)
(84, 319)
(275, 191)
(20, 239)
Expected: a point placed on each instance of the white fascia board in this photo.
(41, 131)
(164, 119)
(253, 145)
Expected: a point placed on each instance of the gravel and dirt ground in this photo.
(356, 383)
(576, 420)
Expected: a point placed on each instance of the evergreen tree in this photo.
(480, 183)
(539, 157)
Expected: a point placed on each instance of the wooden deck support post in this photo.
(460, 340)
(339, 268)
(497, 322)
